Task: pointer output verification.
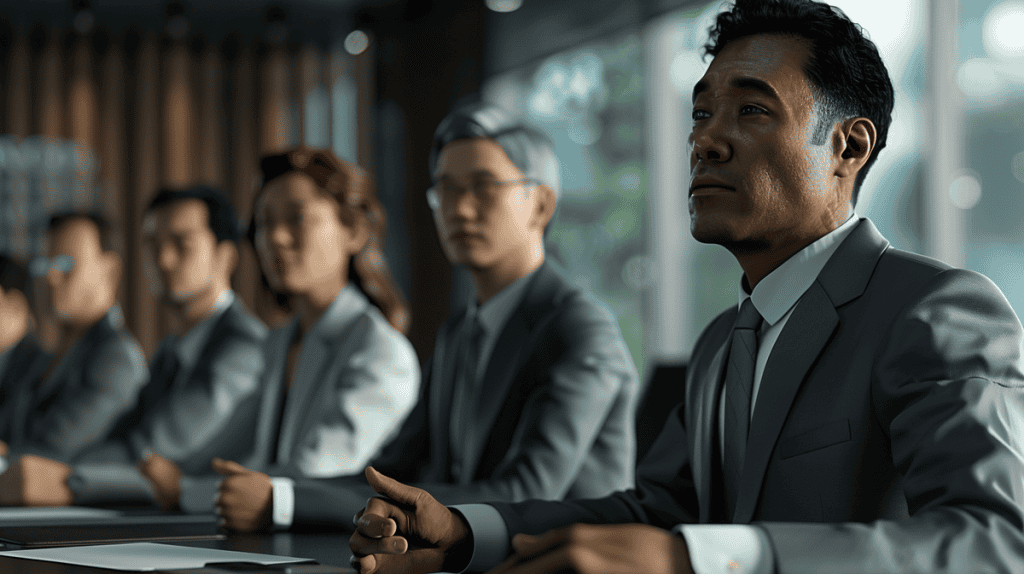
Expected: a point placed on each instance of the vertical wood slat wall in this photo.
(159, 112)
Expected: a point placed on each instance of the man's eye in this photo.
(700, 115)
(751, 109)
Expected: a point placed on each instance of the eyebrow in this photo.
(743, 83)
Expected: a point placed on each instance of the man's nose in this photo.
(166, 258)
(709, 144)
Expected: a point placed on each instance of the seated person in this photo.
(340, 377)
(202, 397)
(859, 409)
(531, 390)
(21, 357)
(98, 369)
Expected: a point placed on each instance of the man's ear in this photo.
(856, 139)
(543, 206)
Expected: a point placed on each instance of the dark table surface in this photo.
(326, 547)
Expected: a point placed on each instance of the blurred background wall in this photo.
(102, 101)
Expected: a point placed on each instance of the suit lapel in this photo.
(506, 360)
(804, 337)
(442, 379)
(501, 368)
(708, 388)
(273, 377)
(802, 340)
(311, 372)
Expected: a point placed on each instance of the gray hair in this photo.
(529, 149)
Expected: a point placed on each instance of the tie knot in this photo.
(748, 318)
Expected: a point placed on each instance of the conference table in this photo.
(325, 546)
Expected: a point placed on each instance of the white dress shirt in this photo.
(713, 548)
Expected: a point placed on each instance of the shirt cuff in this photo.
(98, 483)
(490, 535)
(727, 548)
(283, 502)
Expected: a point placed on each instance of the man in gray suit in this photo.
(860, 410)
(98, 368)
(202, 397)
(531, 389)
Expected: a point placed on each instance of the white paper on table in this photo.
(145, 556)
(54, 513)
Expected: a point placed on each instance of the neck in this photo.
(194, 310)
(14, 331)
(758, 259)
(310, 306)
(489, 282)
(73, 331)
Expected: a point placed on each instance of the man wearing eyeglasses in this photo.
(531, 389)
(97, 370)
(202, 397)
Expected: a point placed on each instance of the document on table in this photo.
(145, 556)
(8, 515)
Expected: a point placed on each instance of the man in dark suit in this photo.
(861, 411)
(98, 368)
(202, 397)
(531, 390)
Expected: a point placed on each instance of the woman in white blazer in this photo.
(340, 376)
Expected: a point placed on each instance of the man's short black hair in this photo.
(109, 238)
(222, 217)
(844, 69)
(14, 275)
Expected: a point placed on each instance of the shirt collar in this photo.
(347, 305)
(776, 294)
(493, 314)
(191, 344)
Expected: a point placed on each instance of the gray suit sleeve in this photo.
(950, 392)
(85, 414)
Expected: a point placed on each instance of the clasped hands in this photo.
(244, 497)
(406, 531)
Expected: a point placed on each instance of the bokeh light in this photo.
(1003, 32)
(965, 191)
(356, 42)
(504, 5)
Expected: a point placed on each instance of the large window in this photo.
(590, 102)
(619, 112)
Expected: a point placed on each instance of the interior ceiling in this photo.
(316, 19)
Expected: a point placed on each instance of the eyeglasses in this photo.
(40, 266)
(485, 191)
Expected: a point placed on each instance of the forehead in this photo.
(76, 237)
(775, 60)
(477, 156)
(179, 216)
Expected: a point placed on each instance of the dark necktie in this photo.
(467, 395)
(739, 386)
(165, 369)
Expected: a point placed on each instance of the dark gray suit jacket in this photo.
(212, 413)
(557, 418)
(25, 366)
(79, 403)
(887, 435)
